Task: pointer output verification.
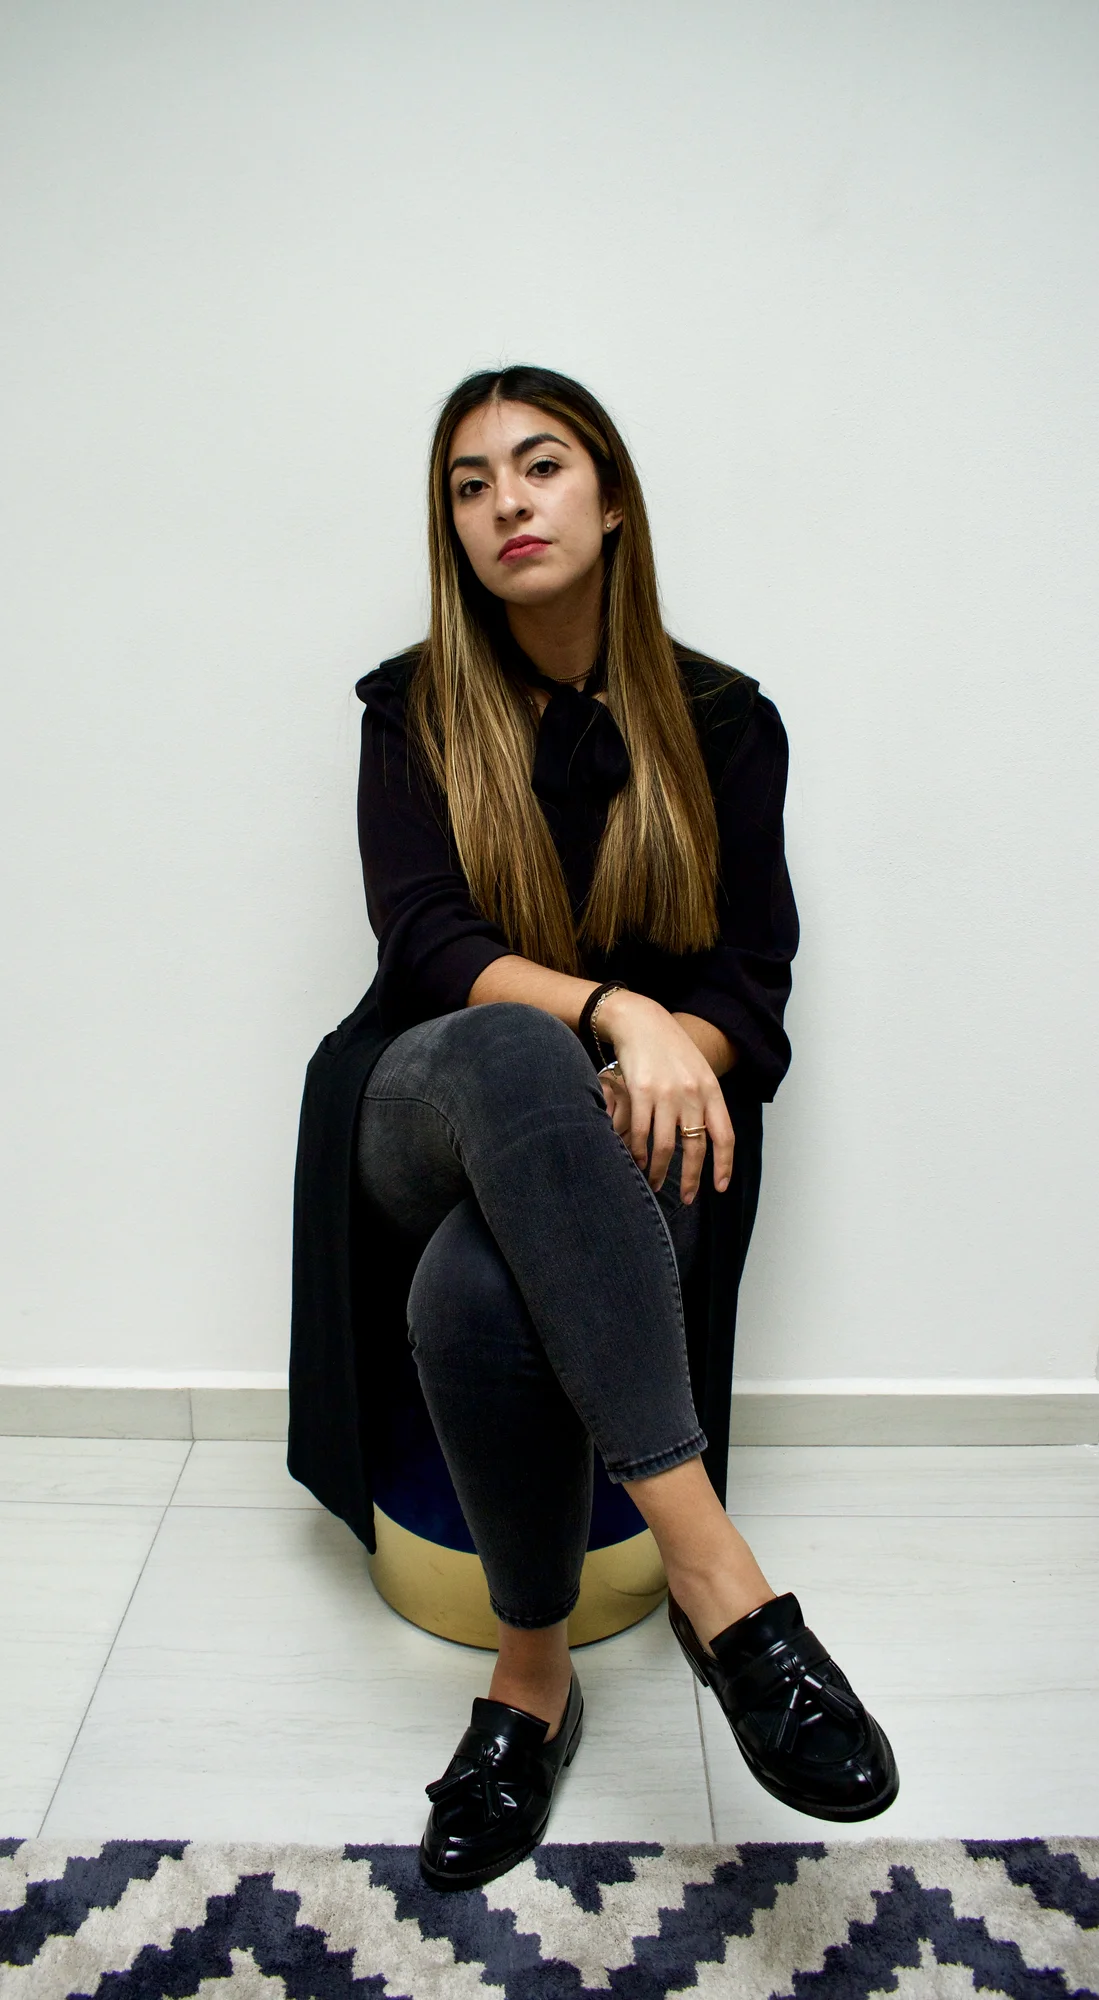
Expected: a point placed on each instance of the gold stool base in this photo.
(444, 1590)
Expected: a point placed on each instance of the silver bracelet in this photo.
(592, 1015)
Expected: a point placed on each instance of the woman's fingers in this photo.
(665, 1124)
(693, 1157)
(641, 1118)
(695, 1114)
(617, 1099)
(670, 1120)
(720, 1127)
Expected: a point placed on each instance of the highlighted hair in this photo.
(655, 874)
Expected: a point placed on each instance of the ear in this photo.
(612, 510)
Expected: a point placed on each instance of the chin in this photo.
(543, 593)
(540, 589)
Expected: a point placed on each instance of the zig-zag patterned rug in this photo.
(145, 1919)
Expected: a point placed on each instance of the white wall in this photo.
(833, 268)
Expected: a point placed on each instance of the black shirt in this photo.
(433, 942)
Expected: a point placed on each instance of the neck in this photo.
(562, 638)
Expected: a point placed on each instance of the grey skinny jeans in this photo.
(545, 1311)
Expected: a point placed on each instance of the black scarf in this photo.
(580, 748)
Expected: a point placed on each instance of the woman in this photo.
(571, 833)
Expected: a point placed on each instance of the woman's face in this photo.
(526, 501)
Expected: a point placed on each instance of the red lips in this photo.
(521, 545)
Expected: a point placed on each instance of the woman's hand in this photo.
(666, 1084)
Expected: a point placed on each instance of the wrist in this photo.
(612, 1012)
(718, 1050)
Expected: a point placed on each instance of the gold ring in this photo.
(692, 1132)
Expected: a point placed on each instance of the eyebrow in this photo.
(517, 450)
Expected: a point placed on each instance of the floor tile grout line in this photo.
(847, 1514)
(910, 1514)
(705, 1760)
(304, 1507)
(109, 1654)
(118, 1506)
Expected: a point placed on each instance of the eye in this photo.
(464, 489)
(546, 466)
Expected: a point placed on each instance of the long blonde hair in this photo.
(476, 729)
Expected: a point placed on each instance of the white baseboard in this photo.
(127, 1403)
(939, 1410)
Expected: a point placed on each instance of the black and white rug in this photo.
(142, 1920)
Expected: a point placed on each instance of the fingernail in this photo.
(723, 1184)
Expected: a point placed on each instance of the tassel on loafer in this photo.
(490, 1807)
(798, 1723)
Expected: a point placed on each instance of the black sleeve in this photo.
(743, 982)
(432, 942)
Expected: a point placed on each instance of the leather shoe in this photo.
(490, 1807)
(799, 1725)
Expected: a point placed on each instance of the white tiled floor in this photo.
(190, 1646)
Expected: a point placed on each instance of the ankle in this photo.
(534, 1677)
(714, 1600)
(547, 1699)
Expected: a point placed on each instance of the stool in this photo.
(425, 1564)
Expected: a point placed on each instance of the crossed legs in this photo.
(545, 1312)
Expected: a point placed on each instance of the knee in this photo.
(513, 1045)
(463, 1295)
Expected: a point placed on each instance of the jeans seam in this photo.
(669, 1251)
(534, 1624)
(658, 1461)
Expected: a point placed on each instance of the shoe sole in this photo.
(476, 1878)
(839, 1814)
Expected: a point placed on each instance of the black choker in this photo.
(521, 663)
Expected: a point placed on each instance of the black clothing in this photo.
(432, 943)
(580, 762)
(351, 1277)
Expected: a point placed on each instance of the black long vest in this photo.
(351, 1276)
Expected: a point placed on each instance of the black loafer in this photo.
(799, 1725)
(489, 1809)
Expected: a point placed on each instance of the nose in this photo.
(510, 504)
